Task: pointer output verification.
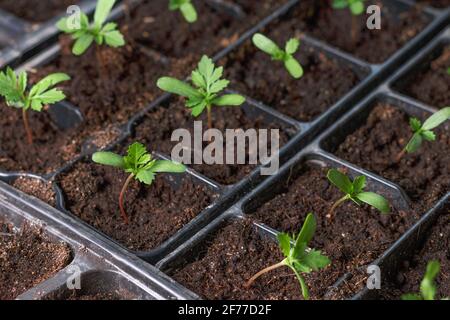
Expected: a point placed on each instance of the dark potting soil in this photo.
(424, 175)
(98, 296)
(156, 130)
(231, 257)
(437, 247)
(256, 75)
(36, 10)
(27, 258)
(335, 27)
(431, 84)
(435, 3)
(353, 239)
(37, 188)
(155, 212)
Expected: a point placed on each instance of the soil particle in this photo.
(435, 3)
(36, 10)
(155, 212)
(37, 188)
(27, 258)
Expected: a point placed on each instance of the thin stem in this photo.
(335, 206)
(266, 270)
(400, 155)
(208, 110)
(121, 198)
(27, 126)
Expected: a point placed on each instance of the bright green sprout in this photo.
(428, 287)
(85, 34)
(186, 7)
(354, 191)
(356, 6)
(13, 89)
(298, 256)
(448, 71)
(286, 56)
(208, 85)
(139, 164)
(424, 131)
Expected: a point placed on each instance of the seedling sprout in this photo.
(356, 8)
(186, 8)
(298, 257)
(354, 191)
(428, 287)
(13, 89)
(286, 56)
(139, 164)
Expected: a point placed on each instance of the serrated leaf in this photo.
(218, 86)
(415, 124)
(340, 180)
(359, 184)
(315, 260)
(428, 135)
(145, 176)
(47, 82)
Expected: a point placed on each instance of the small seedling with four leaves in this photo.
(286, 56)
(186, 8)
(13, 89)
(424, 131)
(356, 8)
(139, 164)
(208, 83)
(428, 287)
(298, 257)
(99, 31)
(354, 191)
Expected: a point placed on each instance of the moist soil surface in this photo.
(256, 75)
(155, 212)
(157, 127)
(411, 274)
(318, 19)
(435, 3)
(424, 175)
(355, 237)
(431, 84)
(27, 258)
(36, 10)
(37, 188)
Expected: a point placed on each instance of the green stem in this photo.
(121, 198)
(266, 270)
(305, 291)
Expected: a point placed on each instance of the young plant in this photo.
(298, 257)
(448, 71)
(208, 85)
(139, 164)
(354, 191)
(186, 7)
(13, 89)
(86, 33)
(424, 131)
(427, 286)
(356, 7)
(286, 56)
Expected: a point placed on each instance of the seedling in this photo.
(86, 33)
(139, 164)
(298, 257)
(448, 71)
(354, 191)
(208, 83)
(186, 8)
(424, 131)
(286, 56)
(356, 8)
(428, 287)
(13, 89)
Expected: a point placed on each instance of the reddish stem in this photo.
(266, 270)
(27, 126)
(400, 155)
(208, 109)
(121, 198)
(330, 214)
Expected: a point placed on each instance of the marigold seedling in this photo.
(99, 31)
(286, 56)
(13, 89)
(139, 164)
(424, 131)
(428, 287)
(354, 191)
(208, 83)
(356, 8)
(186, 8)
(298, 256)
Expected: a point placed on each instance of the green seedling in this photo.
(428, 287)
(208, 86)
(298, 257)
(99, 31)
(448, 71)
(286, 56)
(354, 191)
(424, 131)
(356, 8)
(186, 8)
(13, 88)
(139, 164)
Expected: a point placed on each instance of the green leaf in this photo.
(45, 98)
(427, 286)
(415, 124)
(284, 242)
(374, 200)
(340, 180)
(108, 159)
(114, 39)
(218, 86)
(315, 260)
(266, 45)
(415, 143)
(308, 229)
(136, 154)
(294, 68)
(357, 8)
(340, 4)
(411, 296)
(437, 119)
(198, 109)
(177, 87)
(359, 184)
(82, 44)
(206, 69)
(47, 82)
(11, 87)
(292, 46)
(428, 135)
(102, 11)
(145, 176)
(168, 166)
(229, 100)
(189, 12)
